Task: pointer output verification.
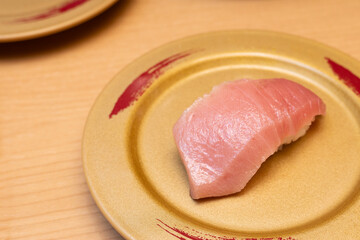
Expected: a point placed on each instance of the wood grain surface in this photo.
(48, 85)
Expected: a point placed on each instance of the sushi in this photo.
(225, 136)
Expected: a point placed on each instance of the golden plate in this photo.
(24, 19)
(309, 190)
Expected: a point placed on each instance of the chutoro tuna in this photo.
(224, 137)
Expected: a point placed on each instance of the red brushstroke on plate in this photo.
(181, 238)
(182, 233)
(345, 75)
(54, 11)
(196, 235)
(142, 82)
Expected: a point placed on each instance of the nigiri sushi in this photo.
(224, 137)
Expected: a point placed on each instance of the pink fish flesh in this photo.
(224, 137)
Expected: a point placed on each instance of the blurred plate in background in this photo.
(24, 19)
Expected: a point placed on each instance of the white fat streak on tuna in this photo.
(204, 172)
(264, 118)
(291, 125)
(203, 176)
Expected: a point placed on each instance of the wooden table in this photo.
(48, 85)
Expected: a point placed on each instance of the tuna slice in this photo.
(224, 137)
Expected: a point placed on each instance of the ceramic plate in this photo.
(24, 19)
(309, 190)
